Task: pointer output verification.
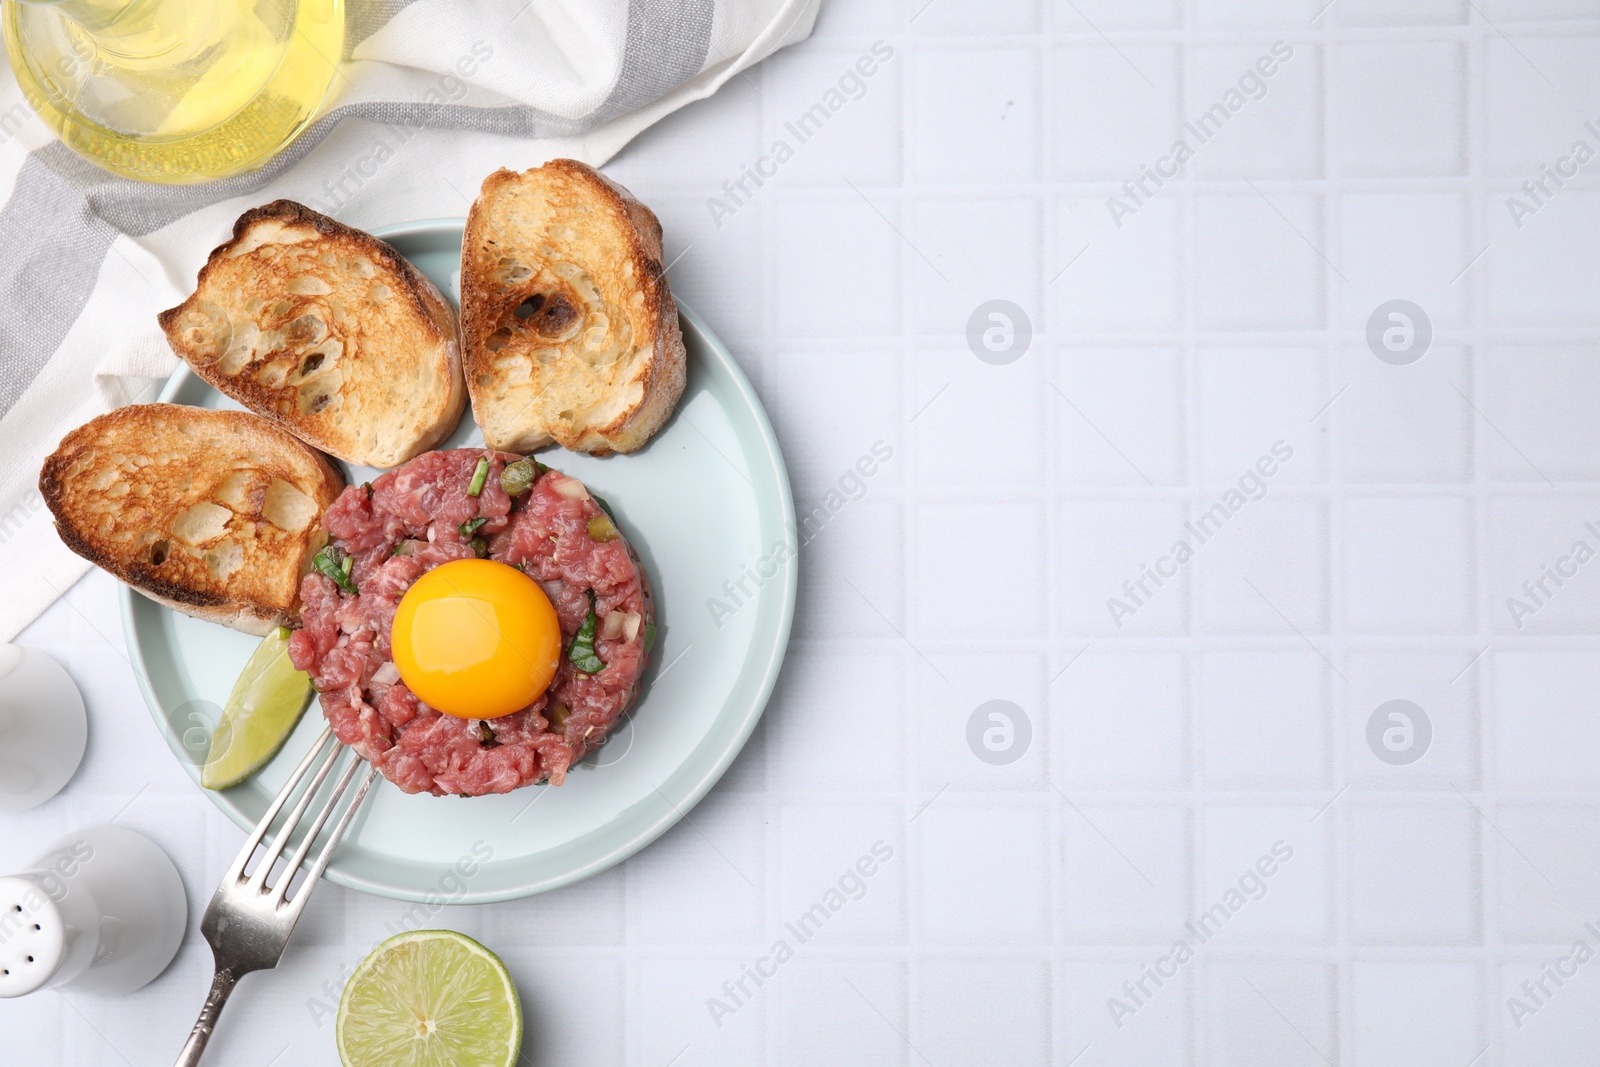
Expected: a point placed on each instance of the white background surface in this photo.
(1227, 714)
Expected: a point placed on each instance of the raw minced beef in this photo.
(344, 639)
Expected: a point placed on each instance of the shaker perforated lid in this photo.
(33, 937)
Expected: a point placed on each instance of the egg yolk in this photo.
(476, 638)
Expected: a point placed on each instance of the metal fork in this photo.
(248, 922)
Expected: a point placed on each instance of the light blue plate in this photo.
(703, 503)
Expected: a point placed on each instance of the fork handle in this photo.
(221, 985)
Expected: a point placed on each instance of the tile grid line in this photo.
(1336, 829)
(1332, 823)
(1188, 288)
(1060, 499)
(906, 349)
(1094, 185)
(1444, 336)
(1477, 60)
(772, 830)
(1045, 739)
(1128, 950)
(892, 205)
(1097, 494)
(1442, 798)
(904, 496)
(757, 370)
(1458, 644)
(1194, 34)
(1190, 97)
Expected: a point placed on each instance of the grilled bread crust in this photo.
(327, 331)
(213, 513)
(570, 330)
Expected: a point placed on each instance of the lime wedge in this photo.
(262, 710)
(430, 998)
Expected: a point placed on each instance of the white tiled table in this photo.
(1230, 710)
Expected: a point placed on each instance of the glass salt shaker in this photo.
(103, 910)
(43, 728)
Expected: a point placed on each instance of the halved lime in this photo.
(430, 998)
(266, 703)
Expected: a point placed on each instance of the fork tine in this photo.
(337, 835)
(281, 891)
(236, 870)
(274, 850)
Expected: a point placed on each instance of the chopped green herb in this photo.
(649, 636)
(517, 478)
(480, 547)
(598, 499)
(470, 527)
(558, 713)
(486, 736)
(405, 548)
(539, 466)
(601, 529)
(480, 474)
(582, 652)
(334, 564)
(368, 487)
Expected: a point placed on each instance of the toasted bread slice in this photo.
(571, 333)
(213, 513)
(327, 331)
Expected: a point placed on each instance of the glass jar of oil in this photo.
(175, 91)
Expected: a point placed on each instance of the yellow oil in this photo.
(175, 91)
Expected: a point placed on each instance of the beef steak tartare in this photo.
(450, 505)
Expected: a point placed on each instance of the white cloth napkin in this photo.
(431, 88)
